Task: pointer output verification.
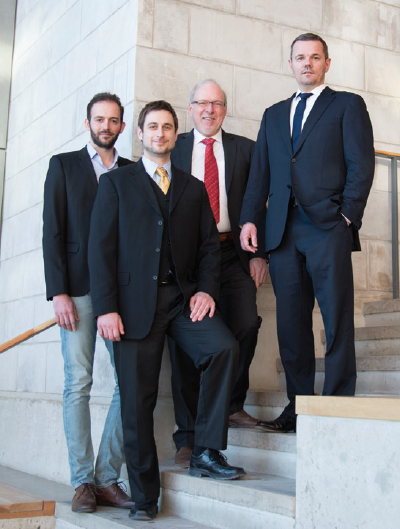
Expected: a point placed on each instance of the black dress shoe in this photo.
(283, 424)
(213, 464)
(144, 512)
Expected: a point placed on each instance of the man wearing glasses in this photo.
(222, 162)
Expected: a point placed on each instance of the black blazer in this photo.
(69, 192)
(126, 237)
(331, 172)
(238, 151)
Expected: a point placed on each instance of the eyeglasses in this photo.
(204, 104)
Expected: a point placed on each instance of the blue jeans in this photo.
(78, 352)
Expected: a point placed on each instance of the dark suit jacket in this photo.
(331, 172)
(126, 237)
(69, 193)
(238, 151)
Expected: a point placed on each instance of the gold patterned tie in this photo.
(163, 184)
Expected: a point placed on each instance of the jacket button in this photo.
(160, 222)
(293, 160)
(155, 278)
(157, 249)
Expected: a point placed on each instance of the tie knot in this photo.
(304, 96)
(161, 171)
(208, 141)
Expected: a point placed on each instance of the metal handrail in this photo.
(394, 158)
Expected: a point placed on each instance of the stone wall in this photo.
(66, 51)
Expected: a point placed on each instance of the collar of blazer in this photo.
(141, 180)
(184, 150)
(324, 100)
(87, 168)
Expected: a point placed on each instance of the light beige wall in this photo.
(65, 52)
(68, 50)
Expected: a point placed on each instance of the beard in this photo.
(103, 143)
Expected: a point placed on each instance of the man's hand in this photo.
(258, 270)
(248, 237)
(200, 304)
(65, 312)
(110, 326)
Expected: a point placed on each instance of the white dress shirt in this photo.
(309, 104)
(98, 166)
(198, 158)
(151, 167)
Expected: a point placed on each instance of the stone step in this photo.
(110, 518)
(265, 405)
(385, 307)
(257, 451)
(255, 501)
(368, 383)
(381, 340)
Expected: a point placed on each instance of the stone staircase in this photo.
(377, 351)
(266, 496)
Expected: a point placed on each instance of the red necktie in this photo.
(211, 177)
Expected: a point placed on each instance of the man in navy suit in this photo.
(314, 163)
(241, 274)
(69, 193)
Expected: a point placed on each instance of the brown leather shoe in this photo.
(113, 496)
(84, 499)
(183, 455)
(242, 419)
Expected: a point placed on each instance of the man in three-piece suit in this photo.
(69, 194)
(240, 276)
(314, 162)
(154, 260)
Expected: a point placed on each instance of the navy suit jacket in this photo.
(126, 237)
(238, 152)
(331, 171)
(69, 193)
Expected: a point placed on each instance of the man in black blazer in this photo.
(154, 260)
(69, 194)
(314, 162)
(240, 276)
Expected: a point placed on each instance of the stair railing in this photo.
(394, 159)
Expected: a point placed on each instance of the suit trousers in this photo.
(314, 262)
(237, 306)
(212, 348)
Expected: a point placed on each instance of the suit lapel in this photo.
(284, 123)
(185, 149)
(141, 180)
(179, 182)
(87, 168)
(321, 104)
(230, 159)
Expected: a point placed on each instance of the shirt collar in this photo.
(198, 136)
(316, 91)
(94, 155)
(151, 167)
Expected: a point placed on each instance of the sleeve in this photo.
(255, 198)
(209, 252)
(358, 144)
(54, 230)
(103, 248)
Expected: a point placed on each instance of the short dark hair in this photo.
(156, 105)
(104, 96)
(310, 36)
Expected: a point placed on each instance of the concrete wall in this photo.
(68, 50)
(349, 480)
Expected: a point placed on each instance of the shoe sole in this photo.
(84, 509)
(142, 517)
(204, 474)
